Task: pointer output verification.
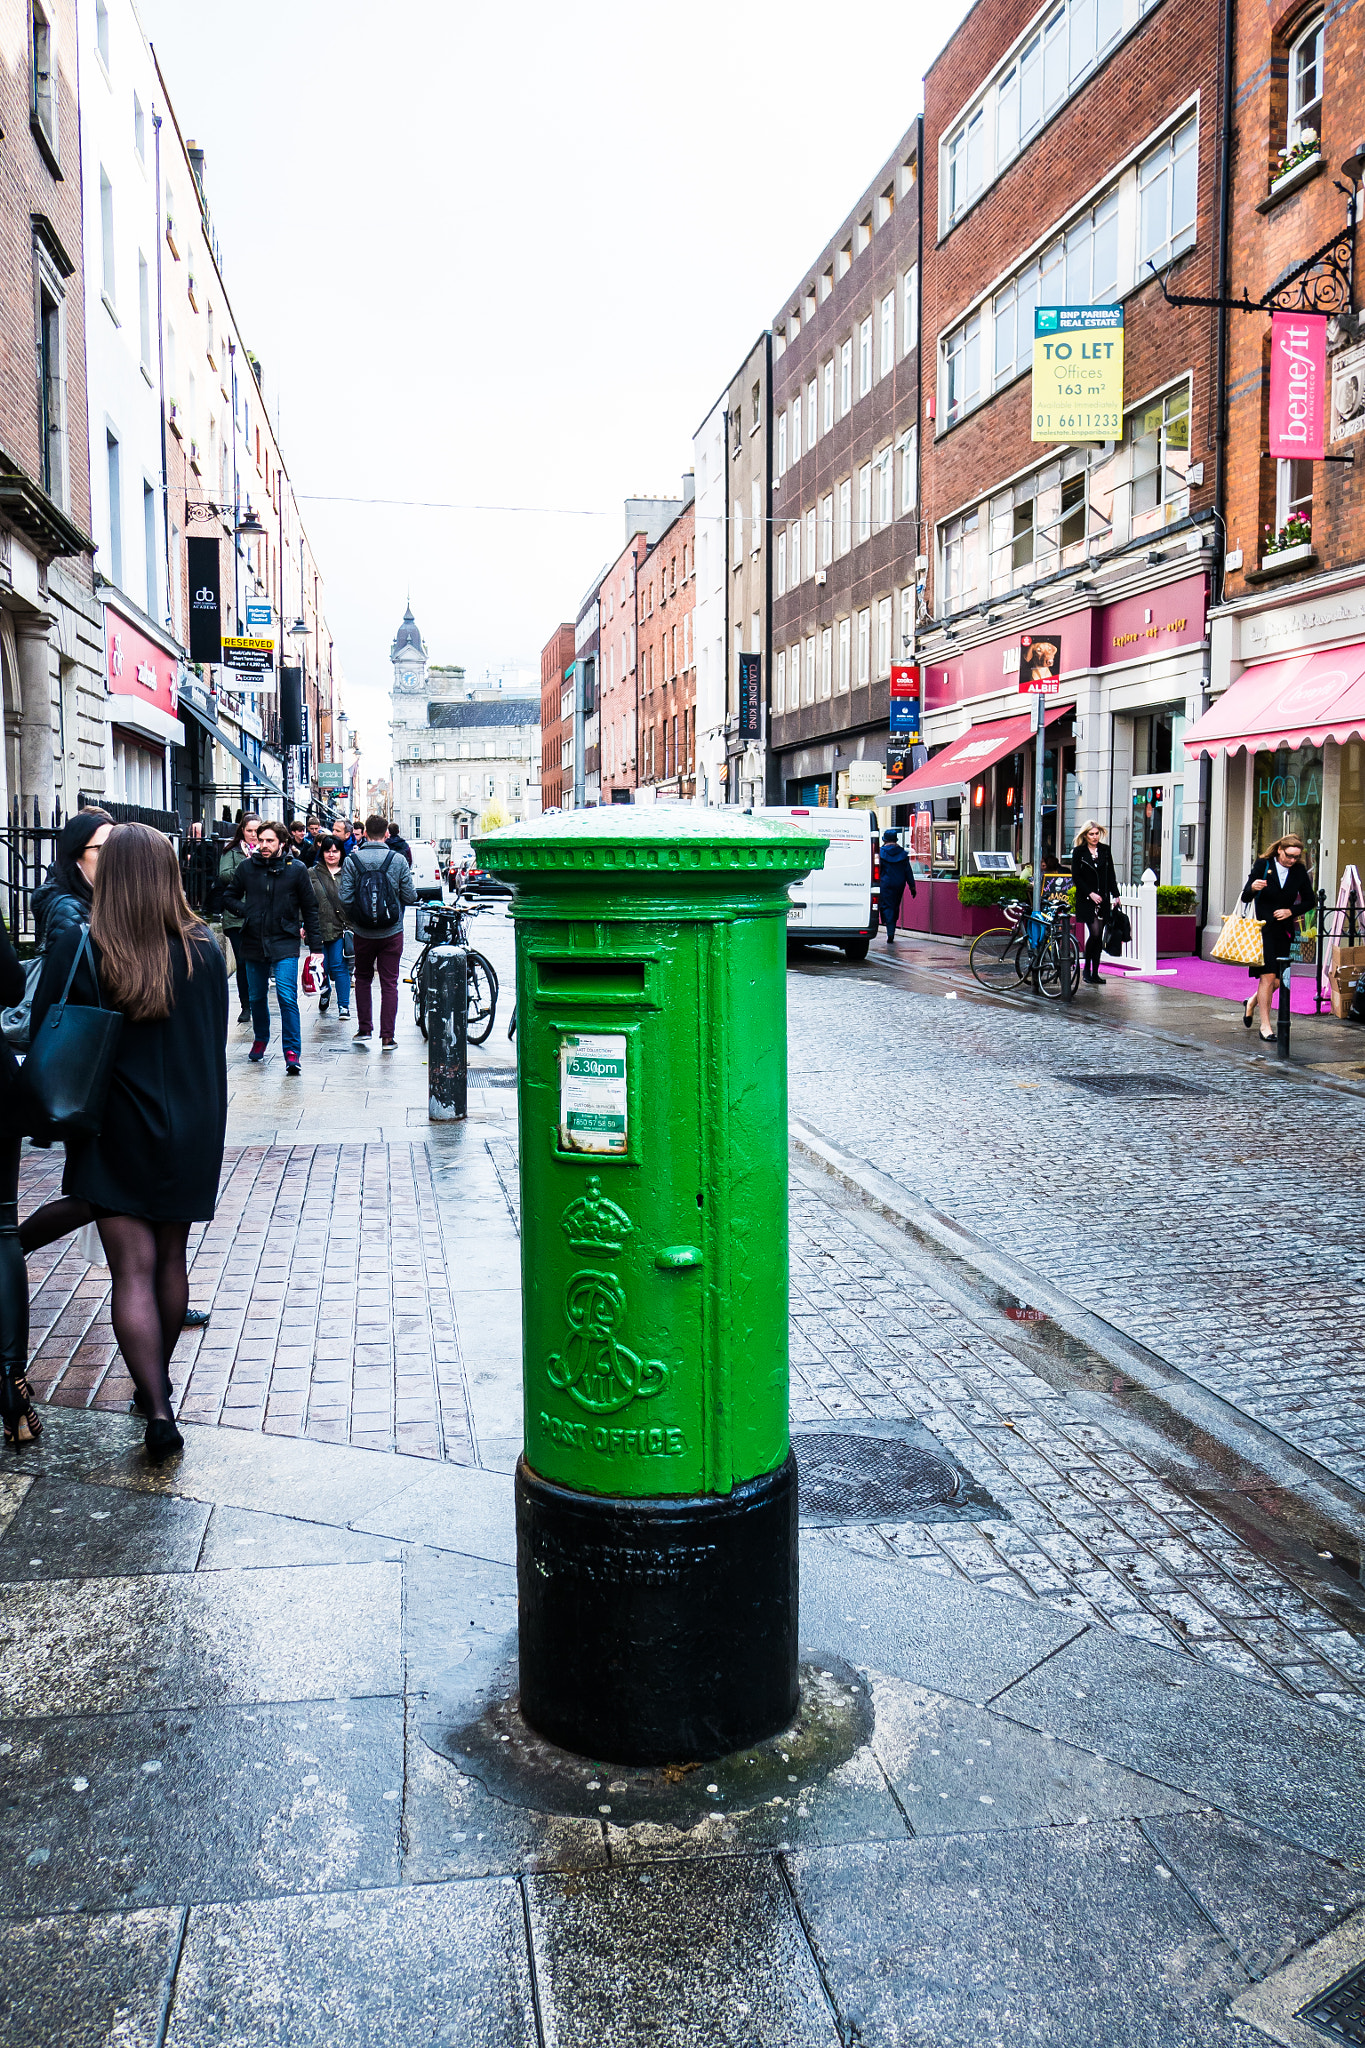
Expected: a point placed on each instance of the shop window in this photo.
(1156, 742)
(1351, 815)
(1287, 797)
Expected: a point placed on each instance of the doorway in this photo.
(1157, 795)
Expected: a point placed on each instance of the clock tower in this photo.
(411, 687)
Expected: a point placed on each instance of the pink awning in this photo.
(979, 748)
(1301, 701)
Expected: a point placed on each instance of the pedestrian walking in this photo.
(153, 1168)
(67, 892)
(897, 875)
(332, 924)
(273, 896)
(301, 842)
(374, 885)
(395, 841)
(1097, 891)
(21, 1421)
(240, 847)
(1280, 891)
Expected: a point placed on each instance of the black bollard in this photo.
(447, 971)
(1282, 1021)
(1061, 925)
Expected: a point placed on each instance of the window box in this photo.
(1285, 558)
(1289, 180)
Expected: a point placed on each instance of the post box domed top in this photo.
(624, 839)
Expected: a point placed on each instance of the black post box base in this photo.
(657, 1631)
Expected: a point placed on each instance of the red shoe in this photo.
(292, 1067)
(257, 1053)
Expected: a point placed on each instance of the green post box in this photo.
(656, 1493)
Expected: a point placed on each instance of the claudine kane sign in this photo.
(1077, 373)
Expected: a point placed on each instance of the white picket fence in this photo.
(1138, 957)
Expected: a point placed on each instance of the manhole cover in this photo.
(482, 1078)
(1134, 1084)
(847, 1478)
(1339, 2011)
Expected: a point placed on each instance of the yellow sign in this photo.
(1078, 373)
(240, 646)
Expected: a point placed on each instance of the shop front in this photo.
(142, 675)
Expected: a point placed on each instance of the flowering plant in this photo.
(1297, 532)
(1295, 154)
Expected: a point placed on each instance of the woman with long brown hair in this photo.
(153, 1169)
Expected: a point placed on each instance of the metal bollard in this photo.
(1062, 929)
(1282, 1020)
(447, 1034)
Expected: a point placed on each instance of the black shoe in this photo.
(1249, 1012)
(244, 1016)
(162, 1440)
(195, 1318)
(324, 1002)
(293, 1069)
(21, 1421)
(138, 1404)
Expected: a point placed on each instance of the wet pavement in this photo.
(1080, 1757)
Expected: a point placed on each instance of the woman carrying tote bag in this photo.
(1280, 892)
(152, 1168)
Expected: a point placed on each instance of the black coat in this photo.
(15, 1115)
(57, 910)
(1296, 896)
(159, 1152)
(897, 875)
(1093, 875)
(398, 844)
(273, 898)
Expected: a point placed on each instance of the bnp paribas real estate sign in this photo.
(1077, 373)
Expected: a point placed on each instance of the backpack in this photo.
(376, 905)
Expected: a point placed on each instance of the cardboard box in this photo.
(1349, 956)
(1341, 985)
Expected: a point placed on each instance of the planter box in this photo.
(1282, 558)
(1175, 935)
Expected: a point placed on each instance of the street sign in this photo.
(905, 702)
(260, 615)
(1078, 373)
(331, 775)
(1040, 661)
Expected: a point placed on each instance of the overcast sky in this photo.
(509, 256)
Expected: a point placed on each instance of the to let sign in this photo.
(1077, 373)
(1298, 383)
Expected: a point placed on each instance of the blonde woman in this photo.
(1097, 891)
(1280, 892)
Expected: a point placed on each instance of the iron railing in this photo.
(26, 853)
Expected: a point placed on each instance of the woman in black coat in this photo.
(16, 1399)
(1279, 891)
(1097, 891)
(66, 894)
(153, 1169)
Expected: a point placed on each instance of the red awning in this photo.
(979, 748)
(1302, 701)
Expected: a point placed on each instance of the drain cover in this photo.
(847, 1478)
(1339, 2011)
(486, 1077)
(1134, 1084)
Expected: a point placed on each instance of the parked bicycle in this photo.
(449, 926)
(1035, 946)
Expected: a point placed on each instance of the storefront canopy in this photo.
(1299, 702)
(979, 748)
(255, 774)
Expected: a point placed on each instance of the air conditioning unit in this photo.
(921, 561)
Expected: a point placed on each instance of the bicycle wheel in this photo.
(995, 955)
(483, 999)
(1060, 955)
(419, 992)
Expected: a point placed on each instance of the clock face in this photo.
(408, 677)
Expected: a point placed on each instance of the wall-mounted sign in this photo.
(1298, 380)
(331, 775)
(201, 557)
(1348, 393)
(866, 778)
(260, 617)
(1077, 373)
(905, 702)
(751, 696)
(1040, 662)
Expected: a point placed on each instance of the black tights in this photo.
(1094, 939)
(55, 1219)
(151, 1292)
(13, 1272)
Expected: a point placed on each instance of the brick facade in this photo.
(666, 660)
(618, 673)
(556, 661)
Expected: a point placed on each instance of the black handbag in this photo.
(1118, 931)
(71, 1057)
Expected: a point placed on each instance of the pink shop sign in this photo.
(1298, 384)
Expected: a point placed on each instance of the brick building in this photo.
(51, 627)
(556, 715)
(1069, 153)
(1283, 746)
(667, 664)
(619, 694)
(845, 523)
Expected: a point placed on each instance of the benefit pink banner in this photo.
(1298, 384)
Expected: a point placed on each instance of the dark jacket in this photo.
(1296, 895)
(304, 849)
(372, 854)
(14, 1108)
(397, 844)
(273, 898)
(331, 914)
(1093, 875)
(897, 875)
(159, 1152)
(57, 910)
(227, 868)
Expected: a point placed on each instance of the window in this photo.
(909, 447)
(1039, 523)
(845, 651)
(845, 515)
(1160, 437)
(52, 393)
(864, 232)
(910, 309)
(885, 491)
(1293, 493)
(810, 541)
(883, 636)
(826, 283)
(107, 238)
(864, 648)
(781, 564)
(144, 313)
(887, 355)
(960, 572)
(149, 545)
(811, 409)
(795, 558)
(1079, 268)
(826, 661)
(780, 682)
(438, 789)
(845, 376)
(43, 80)
(115, 510)
(102, 31)
(737, 527)
(756, 516)
(796, 428)
(1166, 198)
(139, 130)
(754, 398)
(810, 670)
(907, 623)
(781, 445)
(1305, 87)
(962, 353)
(416, 823)
(966, 164)
(827, 530)
(865, 502)
(865, 357)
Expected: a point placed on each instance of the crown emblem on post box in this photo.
(594, 1223)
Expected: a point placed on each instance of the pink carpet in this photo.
(1234, 984)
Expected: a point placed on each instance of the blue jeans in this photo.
(285, 974)
(337, 970)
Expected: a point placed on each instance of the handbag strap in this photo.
(82, 952)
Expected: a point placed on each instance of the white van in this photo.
(426, 875)
(835, 905)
